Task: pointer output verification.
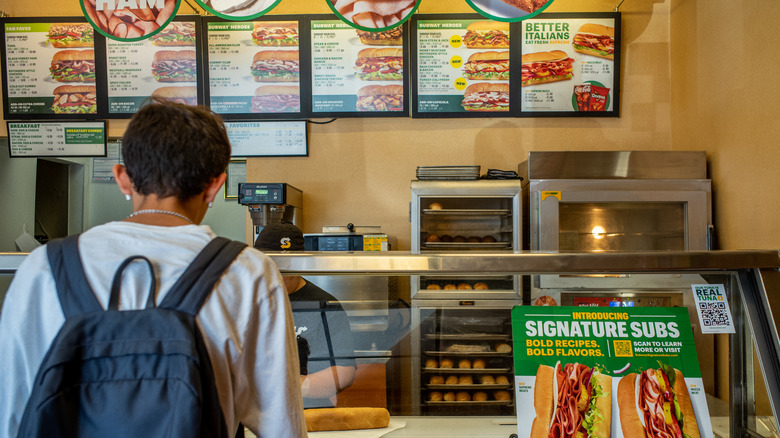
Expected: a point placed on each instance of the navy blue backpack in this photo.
(135, 373)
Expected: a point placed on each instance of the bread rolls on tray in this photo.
(318, 420)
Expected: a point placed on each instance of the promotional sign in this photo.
(57, 139)
(374, 15)
(509, 10)
(570, 63)
(713, 308)
(355, 71)
(462, 67)
(238, 9)
(129, 20)
(163, 66)
(49, 69)
(607, 372)
(254, 67)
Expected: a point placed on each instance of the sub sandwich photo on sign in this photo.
(572, 400)
(655, 403)
(543, 67)
(487, 35)
(595, 40)
(66, 35)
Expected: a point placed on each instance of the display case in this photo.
(743, 395)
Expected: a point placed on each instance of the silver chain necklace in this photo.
(152, 211)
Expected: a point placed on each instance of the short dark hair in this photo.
(171, 149)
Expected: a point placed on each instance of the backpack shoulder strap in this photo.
(75, 294)
(193, 287)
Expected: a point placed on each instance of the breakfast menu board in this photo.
(254, 67)
(49, 68)
(570, 64)
(355, 71)
(164, 66)
(462, 67)
(608, 372)
(57, 139)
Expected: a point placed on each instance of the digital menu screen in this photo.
(49, 68)
(462, 67)
(570, 64)
(164, 66)
(254, 67)
(356, 72)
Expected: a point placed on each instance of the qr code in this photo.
(623, 348)
(713, 313)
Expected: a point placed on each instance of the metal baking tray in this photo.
(470, 337)
(466, 370)
(467, 353)
(465, 245)
(467, 211)
(472, 386)
(472, 403)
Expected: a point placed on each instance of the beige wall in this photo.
(725, 99)
(358, 170)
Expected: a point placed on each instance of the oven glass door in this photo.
(622, 226)
(620, 221)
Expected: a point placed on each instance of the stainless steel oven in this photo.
(468, 217)
(464, 365)
(617, 202)
(621, 201)
(461, 322)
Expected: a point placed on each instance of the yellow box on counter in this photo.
(375, 242)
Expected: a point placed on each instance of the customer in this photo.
(175, 157)
(320, 323)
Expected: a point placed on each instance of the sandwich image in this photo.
(484, 96)
(277, 99)
(187, 95)
(527, 5)
(275, 33)
(572, 401)
(392, 37)
(73, 66)
(240, 8)
(655, 403)
(276, 66)
(385, 64)
(174, 66)
(176, 33)
(63, 35)
(543, 67)
(374, 14)
(487, 35)
(491, 66)
(596, 40)
(380, 98)
(75, 99)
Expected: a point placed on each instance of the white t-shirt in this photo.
(246, 322)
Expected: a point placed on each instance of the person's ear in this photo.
(214, 186)
(122, 179)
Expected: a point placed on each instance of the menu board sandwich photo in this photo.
(255, 68)
(50, 68)
(357, 73)
(615, 372)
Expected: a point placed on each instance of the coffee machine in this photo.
(271, 203)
